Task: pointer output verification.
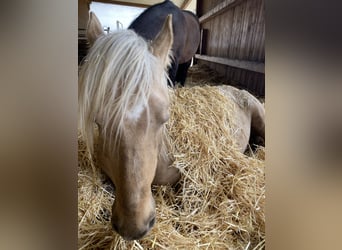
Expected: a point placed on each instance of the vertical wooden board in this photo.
(262, 33)
(254, 32)
(204, 42)
(229, 21)
(212, 37)
(260, 85)
(242, 19)
(209, 34)
(252, 29)
(244, 26)
(226, 24)
(221, 44)
(248, 29)
(230, 18)
(83, 10)
(239, 15)
(233, 45)
(259, 26)
(261, 55)
(248, 79)
(233, 74)
(257, 34)
(205, 26)
(239, 74)
(217, 48)
(261, 42)
(228, 74)
(215, 27)
(233, 35)
(223, 70)
(235, 31)
(243, 77)
(256, 81)
(240, 29)
(263, 86)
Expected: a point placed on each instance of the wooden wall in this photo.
(233, 41)
(83, 15)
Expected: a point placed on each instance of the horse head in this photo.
(123, 87)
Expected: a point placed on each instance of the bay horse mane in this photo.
(115, 79)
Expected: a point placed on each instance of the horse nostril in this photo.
(150, 225)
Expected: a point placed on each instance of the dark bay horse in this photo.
(186, 30)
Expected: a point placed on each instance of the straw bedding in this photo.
(219, 203)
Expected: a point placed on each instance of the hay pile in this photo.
(219, 203)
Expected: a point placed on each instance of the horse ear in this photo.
(94, 28)
(162, 44)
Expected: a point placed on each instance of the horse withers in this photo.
(186, 35)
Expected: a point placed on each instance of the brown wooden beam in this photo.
(185, 4)
(218, 9)
(124, 3)
(249, 65)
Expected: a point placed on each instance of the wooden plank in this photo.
(234, 35)
(229, 17)
(203, 41)
(250, 29)
(218, 9)
(254, 31)
(259, 26)
(242, 64)
(239, 31)
(185, 4)
(244, 32)
(215, 41)
(124, 3)
(261, 42)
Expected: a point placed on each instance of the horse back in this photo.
(192, 36)
(150, 22)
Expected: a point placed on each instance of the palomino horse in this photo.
(123, 89)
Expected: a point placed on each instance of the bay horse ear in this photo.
(94, 28)
(162, 44)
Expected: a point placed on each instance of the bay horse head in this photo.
(123, 89)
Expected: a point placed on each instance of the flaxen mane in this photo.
(116, 77)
